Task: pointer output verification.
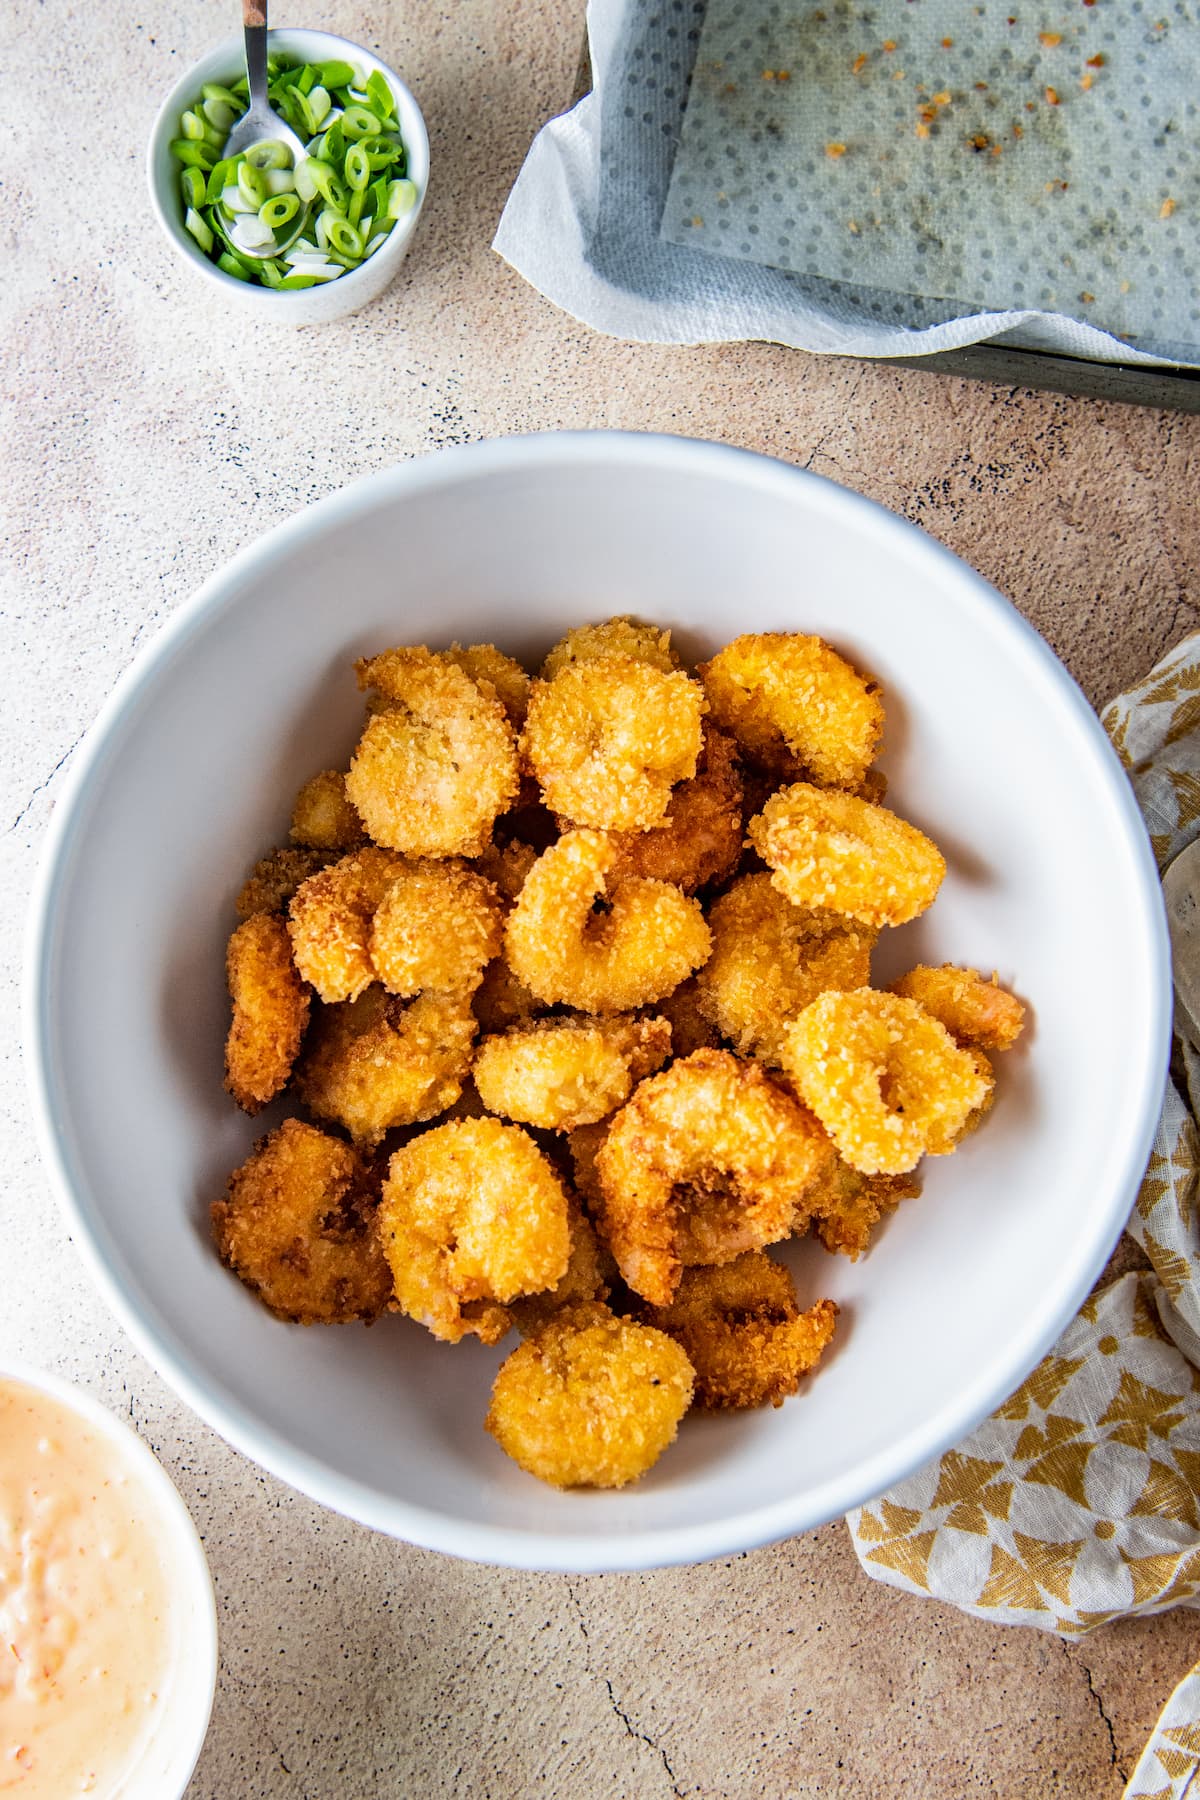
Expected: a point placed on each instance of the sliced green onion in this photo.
(319, 105)
(306, 187)
(335, 143)
(357, 122)
(198, 229)
(212, 90)
(193, 156)
(269, 154)
(381, 152)
(193, 187)
(381, 95)
(220, 115)
(251, 184)
(308, 79)
(336, 74)
(402, 197)
(331, 189)
(233, 265)
(279, 211)
(193, 127)
(342, 235)
(358, 168)
(219, 180)
(354, 210)
(279, 181)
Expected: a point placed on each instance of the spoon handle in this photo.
(254, 25)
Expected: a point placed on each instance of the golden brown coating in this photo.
(743, 1331)
(272, 882)
(621, 636)
(506, 867)
(584, 1144)
(590, 1400)
(647, 938)
(690, 1030)
(837, 852)
(888, 1082)
(770, 960)
(297, 1226)
(323, 817)
(437, 763)
(506, 678)
(377, 1062)
(847, 1205)
(708, 1159)
(472, 1215)
(796, 706)
(700, 839)
(437, 926)
(608, 740)
(270, 1011)
(330, 921)
(975, 1011)
(560, 1073)
(586, 1278)
(947, 1136)
(501, 1000)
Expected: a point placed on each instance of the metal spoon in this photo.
(261, 122)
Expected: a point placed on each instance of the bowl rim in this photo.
(188, 1573)
(753, 1526)
(287, 308)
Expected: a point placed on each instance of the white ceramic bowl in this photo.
(331, 299)
(164, 1768)
(189, 775)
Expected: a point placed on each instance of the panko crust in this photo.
(609, 739)
(501, 1000)
(622, 636)
(690, 1030)
(437, 762)
(323, 818)
(330, 922)
(743, 1331)
(587, 1278)
(560, 1073)
(847, 1205)
(490, 667)
(770, 960)
(297, 1226)
(506, 867)
(377, 1062)
(796, 706)
(700, 839)
(842, 854)
(590, 1400)
(275, 878)
(438, 925)
(472, 1216)
(707, 1160)
(648, 938)
(977, 1012)
(886, 1080)
(270, 1011)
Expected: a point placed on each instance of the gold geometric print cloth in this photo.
(1078, 1500)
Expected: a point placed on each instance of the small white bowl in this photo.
(170, 1754)
(332, 299)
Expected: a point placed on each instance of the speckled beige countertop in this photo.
(147, 437)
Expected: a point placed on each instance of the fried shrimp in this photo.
(796, 706)
(844, 854)
(330, 921)
(888, 1082)
(487, 665)
(437, 763)
(560, 1073)
(270, 1011)
(272, 882)
(700, 839)
(690, 1030)
(472, 1216)
(770, 959)
(376, 1062)
(590, 1400)
(585, 1279)
(743, 1331)
(501, 1000)
(322, 817)
(297, 1226)
(615, 637)
(608, 740)
(847, 1205)
(437, 926)
(506, 867)
(978, 1013)
(647, 938)
(707, 1160)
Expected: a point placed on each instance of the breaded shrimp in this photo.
(501, 1000)
(584, 1145)
(888, 1082)
(743, 1331)
(330, 921)
(847, 1205)
(270, 1011)
(586, 1278)
(770, 959)
(472, 1216)
(796, 706)
(836, 852)
(506, 867)
(700, 839)
(608, 741)
(621, 636)
(323, 817)
(437, 926)
(590, 1400)
(560, 1073)
(272, 881)
(437, 764)
(377, 1062)
(506, 678)
(297, 1226)
(977, 1013)
(646, 940)
(708, 1159)
(690, 1030)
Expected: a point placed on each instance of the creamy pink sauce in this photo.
(86, 1628)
